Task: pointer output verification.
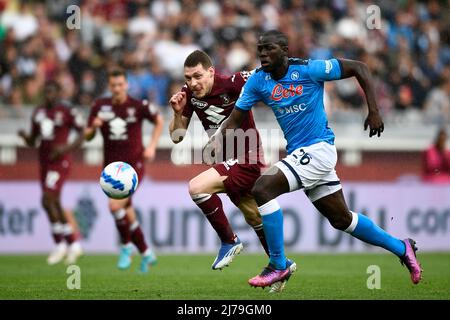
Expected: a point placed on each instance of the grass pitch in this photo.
(319, 276)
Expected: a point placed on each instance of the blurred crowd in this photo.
(407, 50)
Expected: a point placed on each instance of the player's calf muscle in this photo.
(252, 219)
(250, 210)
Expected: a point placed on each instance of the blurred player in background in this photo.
(436, 160)
(51, 124)
(293, 88)
(120, 120)
(212, 96)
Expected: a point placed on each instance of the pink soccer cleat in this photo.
(411, 262)
(270, 275)
(279, 286)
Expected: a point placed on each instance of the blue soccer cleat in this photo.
(148, 259)
(226, 254)
(125, 257)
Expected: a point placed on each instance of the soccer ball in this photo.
(118, 180)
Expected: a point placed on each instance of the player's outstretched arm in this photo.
(233, 122)
(179, 123)
(150, 151)
(358, 69)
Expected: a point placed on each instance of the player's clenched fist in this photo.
(178, 101)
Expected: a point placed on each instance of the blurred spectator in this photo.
(172, 53)
(88, 88)
(436, 160)
(68, 85)
(164, 10)
(210, 10)
(143, 23)
(407, 57)
(80, 62)
(22, 20)
(437, 104)
(237, 56)
(31, 92)
(432, 66)
(160, 88)
(140, 79)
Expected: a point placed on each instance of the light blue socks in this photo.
(272, 218)
(366, 230)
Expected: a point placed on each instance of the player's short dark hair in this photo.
(117, 73)
(281, 38)
(196, 57)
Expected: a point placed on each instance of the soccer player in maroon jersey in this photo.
(51, 124)
(212, 96)
(120, 120)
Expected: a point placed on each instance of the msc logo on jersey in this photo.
(295, 75)
(279, 92)
(198, 103)
(292, 109)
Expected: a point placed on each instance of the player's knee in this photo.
(261, 193)
(115, 206)
(341, 222)
(196, 187)
(253, 220)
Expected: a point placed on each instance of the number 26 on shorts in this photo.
(302, 157)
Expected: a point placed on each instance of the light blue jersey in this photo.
(296, 99)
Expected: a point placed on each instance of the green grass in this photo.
(189, 277)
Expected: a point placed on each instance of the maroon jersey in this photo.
(52, 126)
(122, 128)
(214, 108)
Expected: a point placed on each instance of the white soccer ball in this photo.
(118, 180)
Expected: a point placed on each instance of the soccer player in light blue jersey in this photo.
(293, 89)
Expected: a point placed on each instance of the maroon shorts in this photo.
(240, 180)
(53, 176)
